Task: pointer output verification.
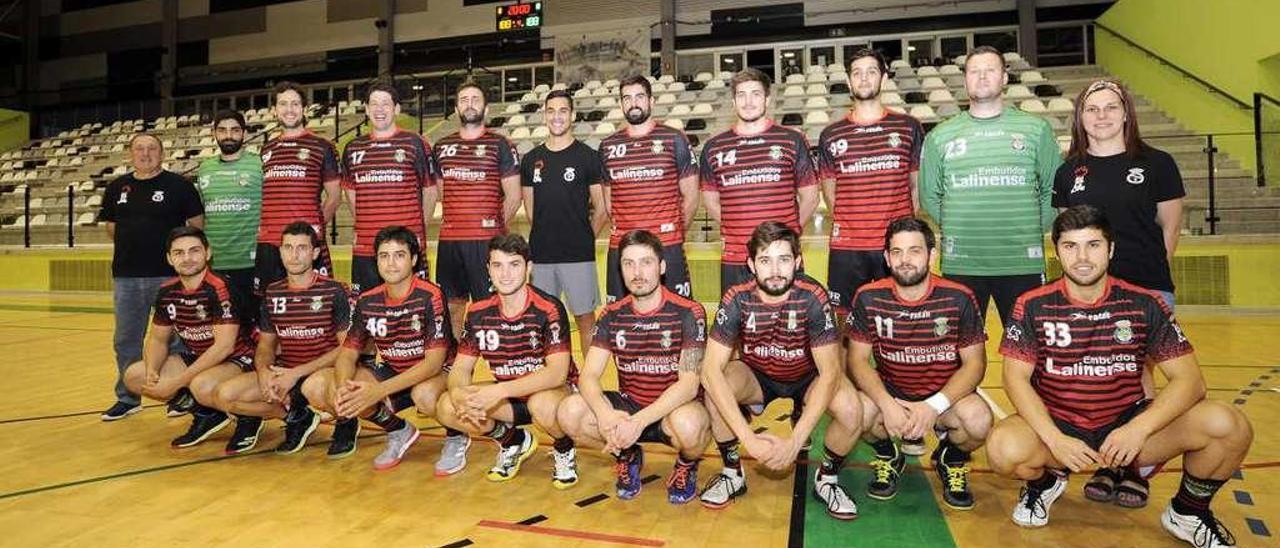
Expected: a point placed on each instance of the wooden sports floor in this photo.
(67, 479)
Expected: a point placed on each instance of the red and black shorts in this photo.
(1093, 437)
(652, 433)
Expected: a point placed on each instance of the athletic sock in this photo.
(563, 445)
(386, 419)
(729, 454)
(626, 455)
(1044, 482)
(832, 462)
(1195, 494)
(505, 434)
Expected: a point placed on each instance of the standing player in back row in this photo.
(650, 183)
(753, 172)
(389, 177)
(987, 180)
(300, 182)
(868, 162)
(480, 190)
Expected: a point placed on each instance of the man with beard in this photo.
(926, 338)
(300, 182)
(199, 308)
(754, 172)
(389, 178)
(562, 197)
(1075, 351)
(480, 192)
(303, 321)
(650, 183)
(231, 187)
(986, 178)
(656, 339)
(781, 324)
(868, 162)
(522, 333)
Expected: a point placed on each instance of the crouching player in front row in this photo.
(1075, 351)
(927, 339)
(657, 339)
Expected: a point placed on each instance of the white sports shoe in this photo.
(1033, 504)
(1199, 531)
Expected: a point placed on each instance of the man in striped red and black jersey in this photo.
(656, 339)
(302, 321)
(298, 168)
(1075, 351)
(650, 183)
(389, 177)
(868, 161)
(199, 307)
(927, 340)
(522, 333)
(782, 326)
(406, 322)
(480, 188)
(755, 171)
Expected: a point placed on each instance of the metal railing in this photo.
(1166, 62)
(1263, 149)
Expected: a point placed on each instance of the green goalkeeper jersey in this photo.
(232, 195)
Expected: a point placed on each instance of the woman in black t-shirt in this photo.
(1140, 190)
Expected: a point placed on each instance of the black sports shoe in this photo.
(121, 410)
(887, 469)
(296, 433)
(245, 436)
(181, 403)
(955, 479)
(345, 433)
(202, 426)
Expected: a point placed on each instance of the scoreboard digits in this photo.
(520, 16)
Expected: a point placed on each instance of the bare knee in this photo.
(690, 424)
(542, 407)
(203, 387)
(846, 409)
(572, 414)
(425, 398)
(135, 377)
(1226, 423)
(1008, 446)
(870, 413)
(975, 417)
(316, 390)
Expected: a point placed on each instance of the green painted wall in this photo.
(15, 129)
(1230, 43)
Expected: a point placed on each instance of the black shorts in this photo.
(241, 283)
(794, 390)
(520, 414)
(1003, 289)
(244, 362)
(849, 270)
(462, 269)
(652, 433)
(676, 278)
(364, 273)
(897, 393)
(1094, 437)
(268, 267)
(400, 400)
(734, 274)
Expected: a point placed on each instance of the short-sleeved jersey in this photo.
(643, 173)
(757, 177)
(646, 346)
(777, 340)
(388, 176)
(916, 344)
(193, 313)
(1088, 358)
(519, 345)
(871, 165)
(144, 211)
(294, 170)
(402, 330)
(472, 172)
(232, 195)
(974, 167)
(305, 320)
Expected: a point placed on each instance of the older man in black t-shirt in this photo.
(139, 209)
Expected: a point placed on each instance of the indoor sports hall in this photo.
(86, 76)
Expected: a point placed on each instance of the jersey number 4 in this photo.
(727, 158)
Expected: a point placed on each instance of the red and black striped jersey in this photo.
(518, 345)
(777, 339)
(388, 176)
(871, 165)
(643, 173)
(193, 313)
(305, 320)
(757, 177)
(472, 172)
(294, 171)
(646, 346)
(916, 344)
(402, 330)
(1089, 358)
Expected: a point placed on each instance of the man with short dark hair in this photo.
(138, 210)
(230, 185)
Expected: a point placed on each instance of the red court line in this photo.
(569, 533)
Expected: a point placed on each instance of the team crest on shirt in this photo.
(202, 181)
(775, 152)
(303, 154)
(243, 179)
(666, 338)
(158, 196)
(1124, 331)
(480, 150)
(399, 155)
(940, 326)
(657, 146)
(266, 156)
(570, 174)
(1019, 143)
(533, 340)
(200, 313)
(895, 140)
(415, 323)
(317, 302)
(791, 320)
(1136, 176)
